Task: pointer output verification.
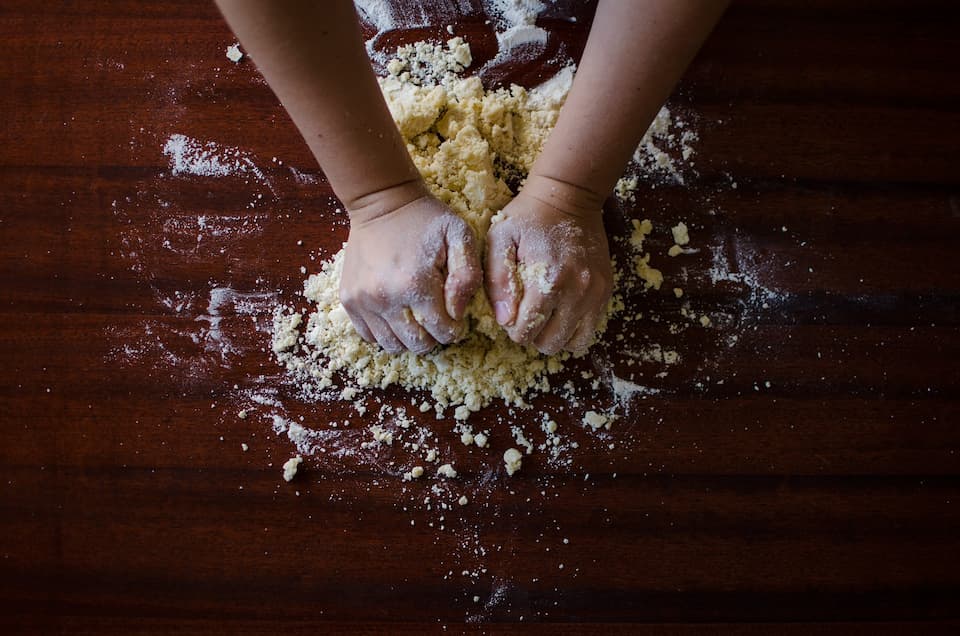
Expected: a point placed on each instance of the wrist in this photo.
(567, 197)
(373, 205)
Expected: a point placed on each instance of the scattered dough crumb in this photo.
(447, 471)
(626, 188)
(678, 292)
(463, 500)
(680, 234)
(290, 467)
(598, 420)
(234, 54)
(242, 414)
(512, 459)
(641, 229)
(381, 435)
(676, 250)
(244, 447)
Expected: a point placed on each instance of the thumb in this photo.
(503, 282)
(463, 270)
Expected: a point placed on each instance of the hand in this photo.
(548, 271)
(408, 275)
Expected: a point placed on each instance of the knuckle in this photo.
(548, 348)
(420, 348)
(386, 345)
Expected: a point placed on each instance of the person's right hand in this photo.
(408, 275)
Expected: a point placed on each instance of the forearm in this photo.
(311, 53)
(635, 54)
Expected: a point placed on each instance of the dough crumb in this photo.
(290, 467)
(512, 459)
(380, 436)
(536, 274)
(598, 420)
(676, 250)
(680, 234)
(415, 473)
(626, 188)
(678, 292)
(463, 500)
(447, 471)
(234, 54)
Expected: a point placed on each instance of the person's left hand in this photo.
(548, 271)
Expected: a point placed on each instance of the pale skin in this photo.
(411, 265)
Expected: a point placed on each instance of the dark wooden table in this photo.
(797, 472)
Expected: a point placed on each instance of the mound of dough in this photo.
(467, 143)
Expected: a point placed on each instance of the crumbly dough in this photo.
(466, 142)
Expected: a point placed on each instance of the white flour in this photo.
(189, 156)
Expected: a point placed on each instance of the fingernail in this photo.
(502, 311)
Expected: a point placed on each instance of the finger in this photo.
(463, 270)
(383, 333)
(360, 325)
(585, 332)
(558, 330)
(534, 312)
(432, 316)
(414, 337)
(503, 288)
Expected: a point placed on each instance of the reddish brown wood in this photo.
(827, 502)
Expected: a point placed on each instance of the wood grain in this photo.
(825, 502)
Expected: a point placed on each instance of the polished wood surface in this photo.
(827, 501)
